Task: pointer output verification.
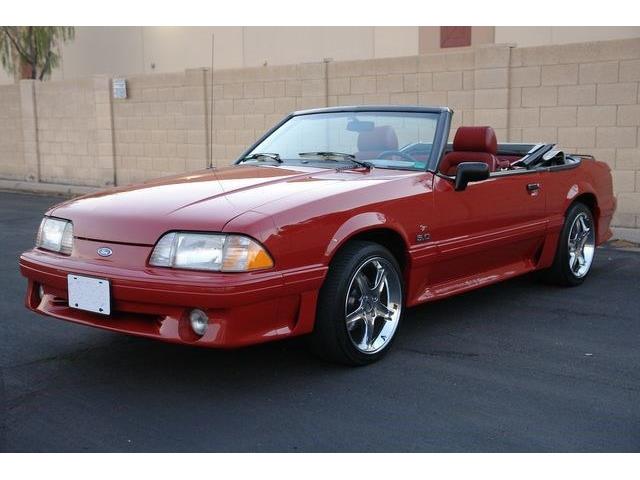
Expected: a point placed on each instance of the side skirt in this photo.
(460, 285)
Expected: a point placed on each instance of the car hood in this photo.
(200, 201)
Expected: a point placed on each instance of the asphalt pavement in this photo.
(518, 366)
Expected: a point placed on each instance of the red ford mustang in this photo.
(331, 225)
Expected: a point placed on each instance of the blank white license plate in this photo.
(90, 294)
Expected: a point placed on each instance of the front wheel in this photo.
(576, 248)
(360, 305)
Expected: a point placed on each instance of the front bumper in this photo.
(243, 308)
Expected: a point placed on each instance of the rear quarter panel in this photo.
(564, 185)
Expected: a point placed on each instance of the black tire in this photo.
(330, 339)
(560, 273)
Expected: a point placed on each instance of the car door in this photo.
(494, 227)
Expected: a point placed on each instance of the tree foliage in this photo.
(33, 52)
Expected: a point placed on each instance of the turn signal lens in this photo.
(243, 254)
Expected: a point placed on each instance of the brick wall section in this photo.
(12, 164)
(247, 102)
(439, 79)
(160, 128)
(586, 97)
(69, 146)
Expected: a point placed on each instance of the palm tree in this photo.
(32, 52)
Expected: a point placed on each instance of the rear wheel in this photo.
(576, 248)
(360, 305)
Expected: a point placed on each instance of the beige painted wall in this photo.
(429, 38)
(97, 50)
(536, 36)
(133, 50)
(395, 41)
(176, 48)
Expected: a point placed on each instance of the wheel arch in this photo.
(590, 200)
(554, 262)
(372, 227)
(388, 238)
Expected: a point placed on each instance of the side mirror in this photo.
(470, 172)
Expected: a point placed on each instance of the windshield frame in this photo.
(439, 140)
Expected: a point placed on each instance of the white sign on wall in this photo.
(119, 86)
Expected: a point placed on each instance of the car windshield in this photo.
(383, 139)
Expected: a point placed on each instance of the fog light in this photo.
(199, 321)
(40, 292)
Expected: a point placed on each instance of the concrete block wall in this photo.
(73, 132)
(439, 79)
(585, 97)
(247, 102)
(160, 129)
(12, 165)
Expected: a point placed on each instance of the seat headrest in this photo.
(475, 139)
(378, 140)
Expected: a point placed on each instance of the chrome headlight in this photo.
(210, 251)
(55, 234)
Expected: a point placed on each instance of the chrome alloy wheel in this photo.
(373, 305)
(582, 244)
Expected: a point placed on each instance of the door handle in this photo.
(533, 188)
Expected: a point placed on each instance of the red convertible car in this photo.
(331, 225)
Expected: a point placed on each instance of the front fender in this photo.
(360, 223)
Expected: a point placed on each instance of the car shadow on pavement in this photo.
(143, 363)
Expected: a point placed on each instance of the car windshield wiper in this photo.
(329, 155)
(262, 156)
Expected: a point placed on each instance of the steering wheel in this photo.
(398, 153)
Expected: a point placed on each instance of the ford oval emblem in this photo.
(105, 252)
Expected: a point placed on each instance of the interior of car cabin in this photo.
(470, 144)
